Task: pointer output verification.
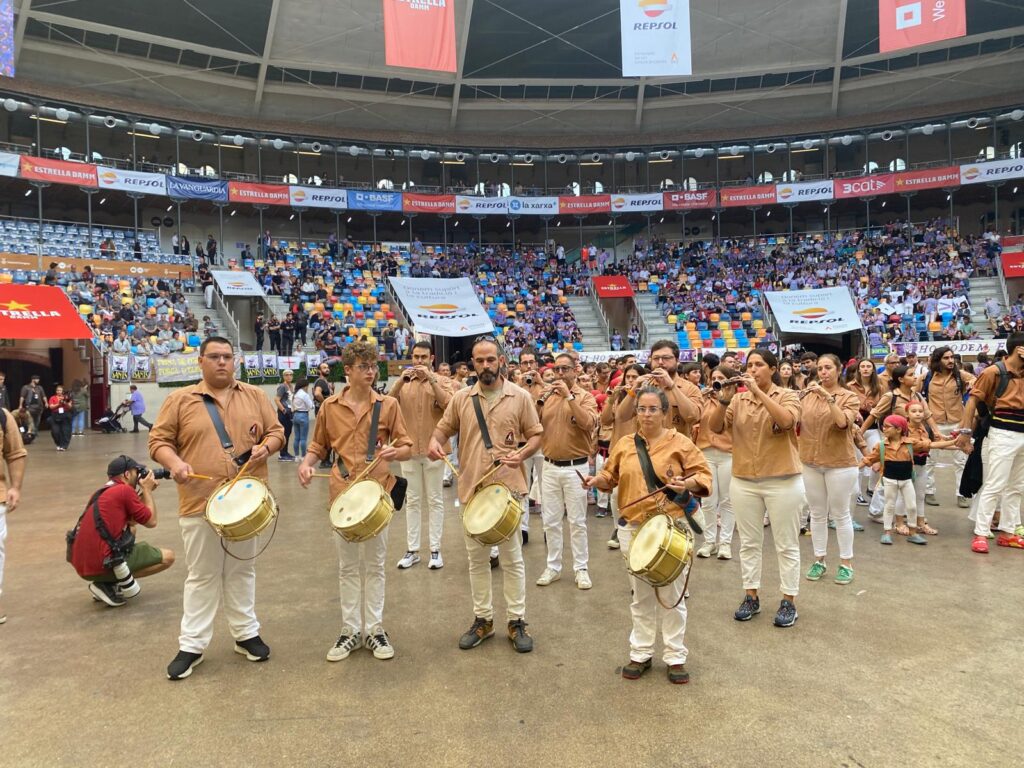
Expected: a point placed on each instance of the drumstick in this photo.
(580, 476)
(199, 477)
(322, 474)
(652, 493)
(497, 465)
(452, 468)
(369, 466)
(241, 471)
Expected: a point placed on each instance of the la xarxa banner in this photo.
(533, 206)
(374, 201)
(865, 186)
(261, 194)
(39, 312)
(994, 171)
(818, 311)
(318, 197)
(237, 283)
(804, 191)
(58, 171)
(131, 181)
(197, 189)
(655, 37)
(690, 201)
(637, 203)
(420, 34)
(612, 286)
(581, 205)
(736, 197)
(481, 205)
(909, 23)
(413, 202)
(442, 307)
(932, 178)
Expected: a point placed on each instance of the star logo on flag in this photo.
(14, 306)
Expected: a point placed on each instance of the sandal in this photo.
(902, 529)
(926, 529)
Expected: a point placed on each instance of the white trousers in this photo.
(208, 296)
(1004, 474)
(426, 479)
(603, 497)
(361, 589)
(213, 574)
(782, 498)
(719, 521)
(453, 458)
(829, 492)
(3, 546)
(513, 571)
(902, 489)
(646, 611)
(872, 438)
(564, 493)
(959, 462)
(534, 467)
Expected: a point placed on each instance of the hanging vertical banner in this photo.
(655, 37)
(251, 362)
(420, 34)
(270, 369)
(909, 23)
(141, 370)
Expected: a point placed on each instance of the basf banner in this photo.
(259, 194)
(237, 283)
(481, 205)
(655, 37)
(197, 189)
(819, 311)
(909, 23)
(994, 171)
(58, 171)
(359, 200)
(420, 34)
(442, 307)
(533, 206)
(132, 181)
(637, 203)
(318, 197)
(689, 201)
(804, 191)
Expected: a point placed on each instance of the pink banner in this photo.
(420, 34)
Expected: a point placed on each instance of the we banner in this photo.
(420, 34)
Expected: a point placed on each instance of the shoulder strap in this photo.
(483, 424)
(1004, 379)
(371, 440)
(218, 423)
(94, 504)
(682, 500)
(892, 402)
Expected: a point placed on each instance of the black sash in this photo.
(681, 500)
(481, 423)
(222, 433)
(371, 440)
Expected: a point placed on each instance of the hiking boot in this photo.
(476, 634)
(677, 674)
(634, 669)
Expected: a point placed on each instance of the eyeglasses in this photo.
(562, 368)
(219, 358)
(663, 358)
(651, 410)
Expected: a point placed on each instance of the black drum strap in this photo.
(371, 441)
(218, 423)
(478, 409)
(681, 500)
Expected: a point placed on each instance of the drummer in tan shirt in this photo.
(511, 418)
(185, 441)
(423, 396)
(343, 425)
(569, 415)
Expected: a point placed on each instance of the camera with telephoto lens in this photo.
(158, 474)
(115, 562)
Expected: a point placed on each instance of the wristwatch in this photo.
(571, 397)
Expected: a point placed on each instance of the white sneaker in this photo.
(344, 646)
(409, 559)
(548, 576)
(707, 550)
(725, 552)
(583, 579)
(380, 645)
(436, 561)
(613, 543)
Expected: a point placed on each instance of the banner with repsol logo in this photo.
(804, 191)
(818, 310)
(442, 307)
(655, 37)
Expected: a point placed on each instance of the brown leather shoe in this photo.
(677, 674)
(634, 669)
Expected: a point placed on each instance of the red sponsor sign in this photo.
(689, 201)
(416, 203)
(933, 178)
(1013, 264)
(584, 204)
(908, 23)
(420, 34)
(735, 197)
(865, 186)
(39, 312)
(58, 171)
(262, 194)
(612, 287)
(1013, 240)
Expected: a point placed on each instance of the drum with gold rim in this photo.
(242, 509)
(660, 550)
(362, 510)
(492, 515)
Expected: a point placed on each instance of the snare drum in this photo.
(362, 511)
(243, 511)
(660, 551)
(492, 515)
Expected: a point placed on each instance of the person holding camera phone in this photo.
(104, 551)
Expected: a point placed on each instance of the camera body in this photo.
(159, 473)
(115, 562)
(528, 380)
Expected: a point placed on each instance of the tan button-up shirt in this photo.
(185, 426)
(674, 418)
(867, 400)
(511, 419)
(705, 438)
(610, 417)
(886, 407)
(822, 443)
(760, 449)
(672, 452)
(565, 436)
(13, 449)
(985, 388)
(342, 429)
(945, 399)
(422, 410)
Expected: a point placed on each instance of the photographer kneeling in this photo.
(103, 549)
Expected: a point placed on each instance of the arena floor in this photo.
(916, 663)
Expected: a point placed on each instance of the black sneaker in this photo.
(519, 637)
(106, 592)
(634, 669)
(254, 649)
(786, 616)
(494, 562)
(526, 537)
(476, 634)
(748, 609)
(183, 665)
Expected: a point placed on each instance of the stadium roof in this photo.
(526, 68)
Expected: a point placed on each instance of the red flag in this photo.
(58, 171)
(420, 34)
(39, 312)
(909, 23)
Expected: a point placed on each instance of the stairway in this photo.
(657, 325)
(982, 288)
(198, 308)
(594, 338)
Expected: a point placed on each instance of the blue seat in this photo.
(704, 335)
(702, 327)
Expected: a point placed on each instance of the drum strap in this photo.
(222, 433)
(682, 500)
(371, 440)
(478, 409)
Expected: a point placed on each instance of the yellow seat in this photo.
(671, 319)
(85, 309)
(758, 324)
(339, 307)
(731, 343)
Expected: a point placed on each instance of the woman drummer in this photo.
(680, 467)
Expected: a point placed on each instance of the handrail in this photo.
(1002, 281)
(641, 322)
(222, 306)
(602, 316)
(397, 306)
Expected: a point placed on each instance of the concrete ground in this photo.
(916, 663)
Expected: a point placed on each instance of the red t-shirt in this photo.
(118, 506)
